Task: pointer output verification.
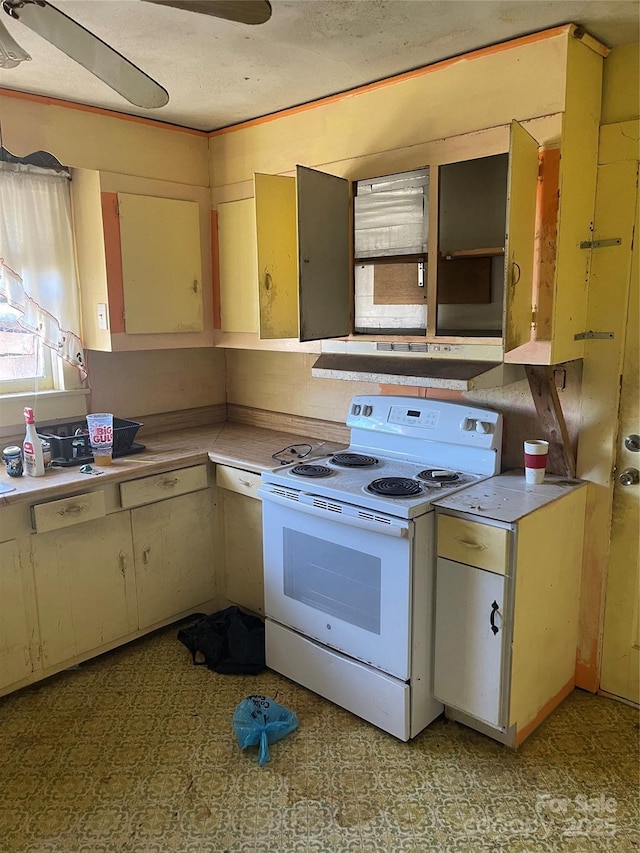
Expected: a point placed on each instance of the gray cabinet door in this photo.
(323, 255)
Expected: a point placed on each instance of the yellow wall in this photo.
(621, 84)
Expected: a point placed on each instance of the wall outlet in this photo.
(102, 316)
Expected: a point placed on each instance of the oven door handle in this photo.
(341, 513)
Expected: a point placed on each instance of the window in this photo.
(39, 300)
(24, 360)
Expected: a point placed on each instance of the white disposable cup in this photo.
(100, 428)
(536, 453)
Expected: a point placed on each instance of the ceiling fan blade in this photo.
(90, 51)
(241, 11)
(11, 54)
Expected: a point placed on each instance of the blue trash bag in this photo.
(260, 720)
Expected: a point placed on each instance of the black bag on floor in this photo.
(228, 641)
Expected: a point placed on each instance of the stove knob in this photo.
(467, 424)
(483, 426)
(355, 410)
(366, 411)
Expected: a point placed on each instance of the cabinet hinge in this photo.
(534, 318)
(421, 274)
(599, 244)
(590, 336)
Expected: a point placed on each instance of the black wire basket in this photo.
(70, 442)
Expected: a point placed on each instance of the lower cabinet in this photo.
(19, 637)
(88, 572)
(506, 615)
(85, 587)
(173, 547)
(241, 521)
(470, 632)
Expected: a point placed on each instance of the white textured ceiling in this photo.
(219, 73)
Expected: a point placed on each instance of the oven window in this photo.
(333, 579)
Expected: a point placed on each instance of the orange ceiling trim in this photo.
(398, 78)
(72, 105)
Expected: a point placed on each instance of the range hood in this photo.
(426, 372)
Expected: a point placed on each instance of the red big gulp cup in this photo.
(536, 453)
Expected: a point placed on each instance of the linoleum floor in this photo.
(134, 752)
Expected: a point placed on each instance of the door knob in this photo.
(632, 442)
(629, 477)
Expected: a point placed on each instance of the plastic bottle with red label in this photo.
(33, 457)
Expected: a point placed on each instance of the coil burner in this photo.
(353, 460)
(438, 476)
(395, 487)
(310, 470)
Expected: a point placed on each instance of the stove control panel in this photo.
(425, 418)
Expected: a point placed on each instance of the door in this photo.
(18, 617)
(323, 255)
(161, 264)
(84, 587)
(620, 673)
(173, 546)
(238, 266)
(519, 248)
(469, 640)
(339, 578)
(304, 275)
(276, 234)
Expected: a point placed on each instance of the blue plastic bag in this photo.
(260, 720)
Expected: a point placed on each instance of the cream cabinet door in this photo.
(469, 640)
(174, 559)
(242, 531)
(18, 618)
(84, 586)
(520, 238)
(238, 266)
(161, 264)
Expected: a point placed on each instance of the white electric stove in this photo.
(348, 554)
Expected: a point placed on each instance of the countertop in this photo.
(238, 445)
(507, 497)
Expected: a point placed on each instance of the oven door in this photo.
(340, 575)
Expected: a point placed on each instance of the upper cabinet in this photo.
(446, 251)
(161, 264)
(284, 258)
(476, 240)
(144, 264)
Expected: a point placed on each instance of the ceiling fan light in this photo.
(11, 54)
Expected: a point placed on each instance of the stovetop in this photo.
(405, 453)
(406, 487)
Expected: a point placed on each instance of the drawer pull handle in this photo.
(169, 482)
(478, 546)
(145, 555)
(245, 483)
(495, 608)
(123, 563)
(74, 509)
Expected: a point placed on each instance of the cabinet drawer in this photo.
(473, 543)
(150, 489)
(55, 515)
(235, 480)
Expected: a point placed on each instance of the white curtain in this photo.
(37, 260)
